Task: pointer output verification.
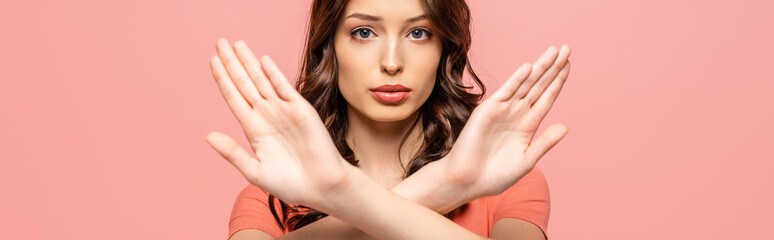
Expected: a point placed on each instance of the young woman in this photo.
(381, 134)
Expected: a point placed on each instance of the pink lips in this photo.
(391, 93)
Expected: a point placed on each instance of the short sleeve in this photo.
(528, 199)
(251, 211)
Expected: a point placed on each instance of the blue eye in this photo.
(418, 33)
(361, 33)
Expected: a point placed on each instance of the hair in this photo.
(443, 115)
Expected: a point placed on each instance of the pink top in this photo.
(528, 199)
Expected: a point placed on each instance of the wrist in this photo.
(331, 200)
(359, 201)
(385, 215)
(434, 188)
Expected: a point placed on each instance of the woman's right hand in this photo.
(296, 158)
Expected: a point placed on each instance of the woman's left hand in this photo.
(495, 148)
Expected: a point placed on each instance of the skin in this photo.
(296, 160)
(375, 52)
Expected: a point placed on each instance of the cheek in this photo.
(427, 88)
(426, 67)
(350, 78)
(347, 70)
(348, 89)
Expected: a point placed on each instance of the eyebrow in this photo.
(367, 17)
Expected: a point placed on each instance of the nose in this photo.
(392, 62)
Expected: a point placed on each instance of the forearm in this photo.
(327, 228)
(432, 187)
(426, 187)
(385, 215)
(331, 227)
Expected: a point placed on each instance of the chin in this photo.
(389, 114)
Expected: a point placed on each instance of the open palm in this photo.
(495, 148)
(296, 159)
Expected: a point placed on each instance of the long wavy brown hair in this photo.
(443, 115)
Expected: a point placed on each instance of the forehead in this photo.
(386, 9)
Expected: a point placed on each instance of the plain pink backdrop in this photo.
(105, 106)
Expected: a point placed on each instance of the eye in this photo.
(420, 33)
(361, 33)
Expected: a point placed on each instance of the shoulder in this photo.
(533, 180)
(251, 211)
(528, 199)
(251, 199)
(253, 192)
(533, 183)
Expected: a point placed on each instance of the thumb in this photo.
(547, 140)
(235, 154)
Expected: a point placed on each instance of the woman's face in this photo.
(387, 44)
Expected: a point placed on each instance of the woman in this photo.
(384, 78)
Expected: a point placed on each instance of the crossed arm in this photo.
(251, 206)
(496, 149)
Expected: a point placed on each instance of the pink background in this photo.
(105, 106)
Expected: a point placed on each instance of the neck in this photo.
(376, 144)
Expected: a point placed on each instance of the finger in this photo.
(549, 76)
(547, 140)
(544, 62)
(544, 103)
(254, 69)
(506, 91)
(237, 72)
(280, 83)
(235, 154)
(234, 99)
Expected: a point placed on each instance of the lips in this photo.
(391, 88)
(390, 93)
